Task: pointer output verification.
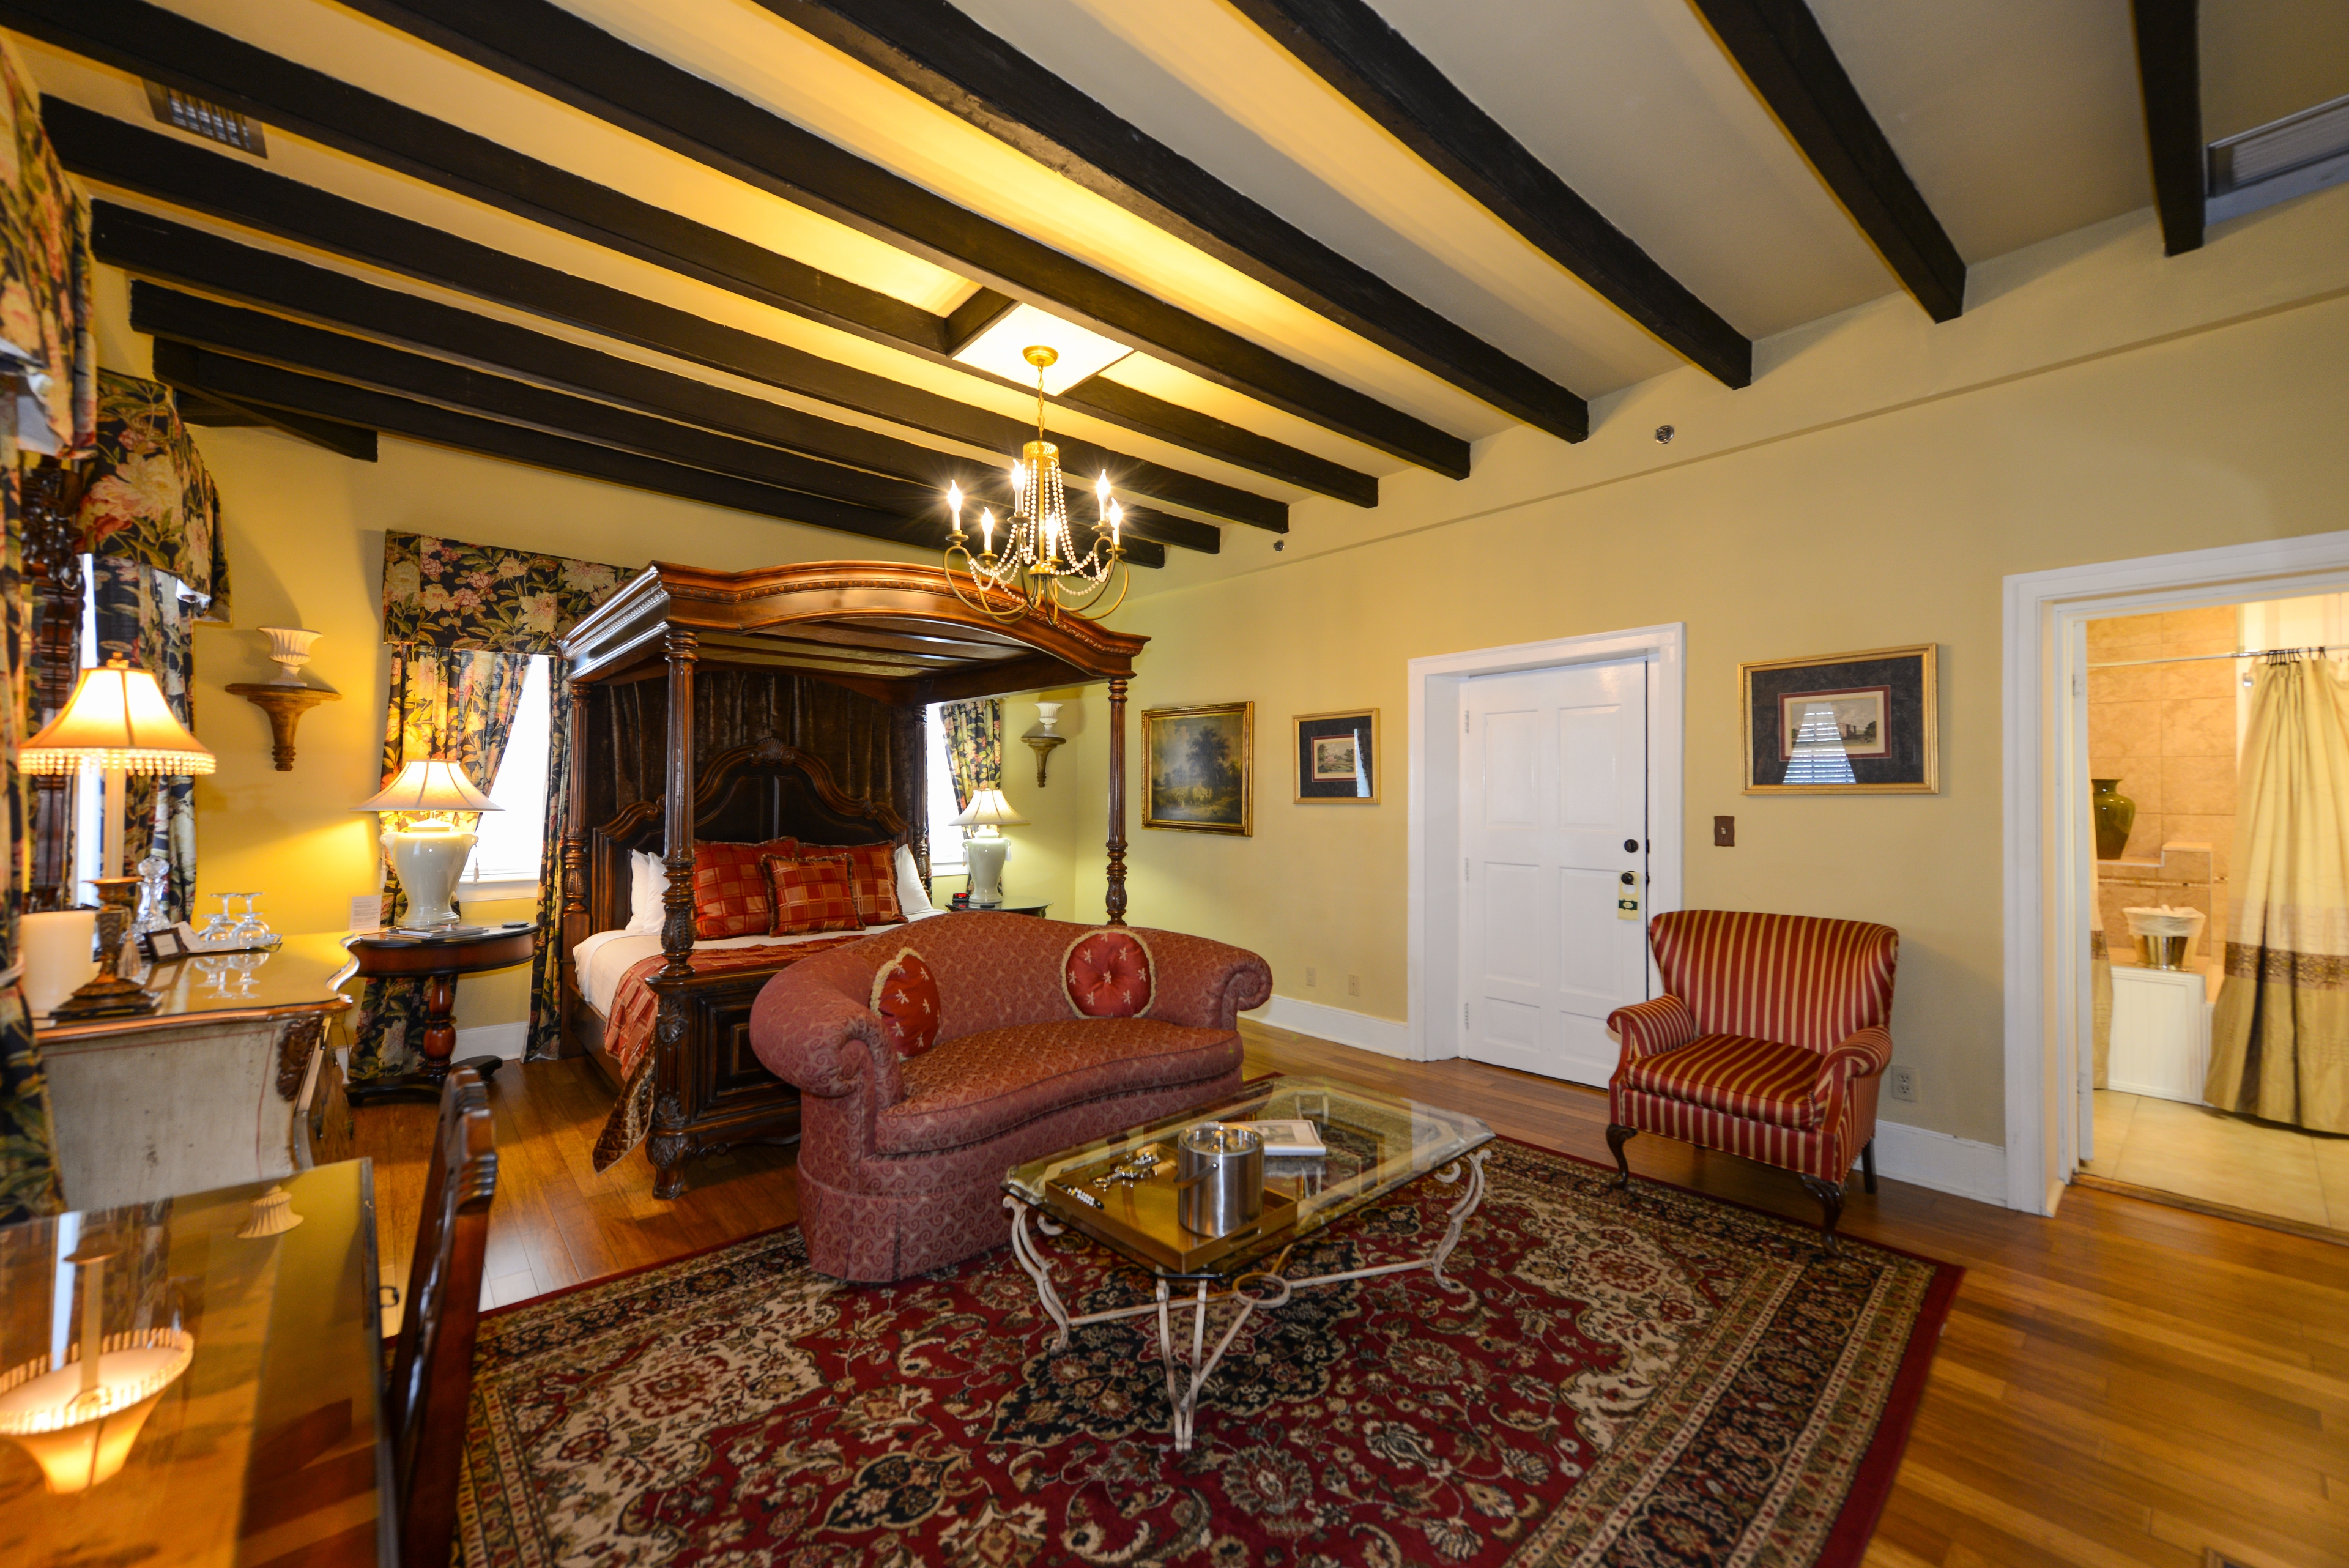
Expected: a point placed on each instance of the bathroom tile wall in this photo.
(2168, 732)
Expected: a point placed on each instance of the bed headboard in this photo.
(756, 792)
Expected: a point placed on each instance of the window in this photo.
(511, 840)
(945, 839)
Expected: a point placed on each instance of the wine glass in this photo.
(218, 924)
(251, 931)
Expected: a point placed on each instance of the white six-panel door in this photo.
(1553, 819)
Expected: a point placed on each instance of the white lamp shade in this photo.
(431, 783)
(987, 808)
(115, 719)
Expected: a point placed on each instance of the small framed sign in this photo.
(1850, 723)
(1337, 758)
(166, 945)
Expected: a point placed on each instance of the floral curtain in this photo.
(49, 353)
(2280, 1035)
(143, 617)
(149, 498)
(974, 746)
(446, 598)
(445, 702)
(48, 361)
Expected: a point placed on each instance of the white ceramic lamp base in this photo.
(427, 859)
(985, 857)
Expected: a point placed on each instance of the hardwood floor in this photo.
(2123, 1384)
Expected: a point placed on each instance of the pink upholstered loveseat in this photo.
(901, 1161)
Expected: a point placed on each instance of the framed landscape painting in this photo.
(1199, 768)
(1337, 758)
(1848, 723)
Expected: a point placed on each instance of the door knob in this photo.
(1630, 878)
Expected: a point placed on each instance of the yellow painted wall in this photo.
(1805, 529)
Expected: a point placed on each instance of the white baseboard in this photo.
(1387, 1036)
(505, 1040)
(1954, 1165)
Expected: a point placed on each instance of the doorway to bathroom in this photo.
(2218, 747)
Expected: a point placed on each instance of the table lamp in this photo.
(986, 850)
(118, 720)
(79, 1421)
(428, 854)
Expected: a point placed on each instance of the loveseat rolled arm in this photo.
(1204, 983)
(1652, 1027)
(820, 1040)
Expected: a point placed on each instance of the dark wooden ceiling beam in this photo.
(353, 441)
(272, 341)
(151, 247)
(2169, 74)
(100, 148)
(569, 59)
(1350, 46)
(938, 51)
(1787, 60)
(149, 41)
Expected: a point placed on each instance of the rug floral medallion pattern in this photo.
(1663, 1379)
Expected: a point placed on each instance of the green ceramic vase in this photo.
(2116, 814)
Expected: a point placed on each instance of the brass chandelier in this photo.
(1038, 570)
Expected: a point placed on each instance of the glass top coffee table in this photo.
(1119, 1192)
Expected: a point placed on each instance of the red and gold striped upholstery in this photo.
(1769, 1039)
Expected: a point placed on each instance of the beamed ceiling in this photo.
(729, 249)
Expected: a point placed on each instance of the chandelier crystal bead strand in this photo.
(1039, 570)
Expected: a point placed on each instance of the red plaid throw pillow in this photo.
(905, 995)
(812, 895)
(729, 892)
(873, 869)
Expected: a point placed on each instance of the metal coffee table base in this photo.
(1183, 1398)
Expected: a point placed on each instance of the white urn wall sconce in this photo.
(1044, 737)
(287, 697)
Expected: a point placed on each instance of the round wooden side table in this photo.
(437, 961)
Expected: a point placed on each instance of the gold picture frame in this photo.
(1198, 768)
(1843, 723)
(1336, 756)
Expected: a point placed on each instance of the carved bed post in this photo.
(1116, 900)
(573, 920)
(665, 1145)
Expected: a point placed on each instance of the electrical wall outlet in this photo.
(1353, 985)
(1311, 978)
(1902, 1081)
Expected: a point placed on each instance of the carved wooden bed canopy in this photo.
(897, 633)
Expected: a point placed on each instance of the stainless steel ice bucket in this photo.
(1218, 1178)
(2163, 953)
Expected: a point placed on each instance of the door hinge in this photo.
(1463, 1015)
(1464, 868)
(1463, 719)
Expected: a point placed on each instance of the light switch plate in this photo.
(1724, 832)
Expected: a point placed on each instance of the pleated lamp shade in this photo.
(987, 808)
(431, 784)
(115, 719)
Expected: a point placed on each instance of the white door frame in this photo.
(1432, 911)
(2049, 878)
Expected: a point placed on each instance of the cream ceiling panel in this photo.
(2018, 122)
(2264, 59)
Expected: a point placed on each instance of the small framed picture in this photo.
(1848, 723)
(165, 945)
(1337, 758)
(1199, 768)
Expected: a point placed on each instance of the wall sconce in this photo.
(286, 698)
(1044, 737)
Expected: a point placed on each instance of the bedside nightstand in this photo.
(1000, 910)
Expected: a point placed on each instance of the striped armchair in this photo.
(1769, 1043)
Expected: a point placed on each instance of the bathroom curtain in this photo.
(974, 746)
(2280, 1036)
(144, 615)
(445, 702)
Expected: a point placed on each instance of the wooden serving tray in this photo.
(1138, 1220)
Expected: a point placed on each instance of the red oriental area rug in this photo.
(1662, 1378)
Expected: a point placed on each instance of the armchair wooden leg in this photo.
(1616, 1136)
(1830, 1197)
(1867, 1165)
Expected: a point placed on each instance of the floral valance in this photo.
(149, 498)
(449, 594)
(49, 353)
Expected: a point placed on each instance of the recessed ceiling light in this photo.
(1000, 345)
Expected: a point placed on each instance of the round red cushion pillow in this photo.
(1108, 974)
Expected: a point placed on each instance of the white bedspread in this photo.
(604, 957)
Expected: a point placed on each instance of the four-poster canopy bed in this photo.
(898, 634)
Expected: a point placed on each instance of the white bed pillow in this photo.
(648, 880)
(913, 899)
